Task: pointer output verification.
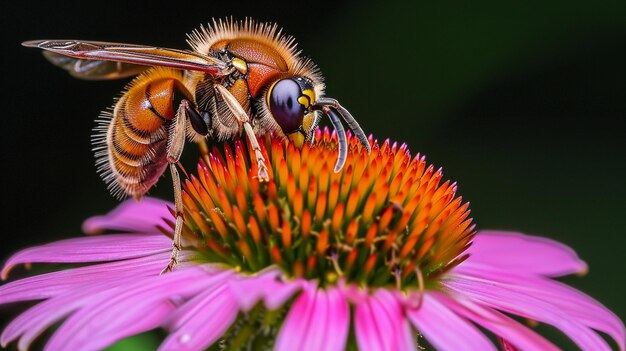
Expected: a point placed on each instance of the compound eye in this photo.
(284, 105)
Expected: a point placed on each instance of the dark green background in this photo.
(522, 103)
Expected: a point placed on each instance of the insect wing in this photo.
(131, 54)
(94, 69)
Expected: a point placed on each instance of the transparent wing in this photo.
(88, 58)
(94, 69)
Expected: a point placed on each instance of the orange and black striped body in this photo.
(132, 150)
(131, 143)
(239, 77)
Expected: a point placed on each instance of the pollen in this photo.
(386, 219)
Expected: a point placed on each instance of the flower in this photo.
(381, 256)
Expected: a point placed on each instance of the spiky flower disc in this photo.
(386, 218)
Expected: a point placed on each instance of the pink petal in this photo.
(574, 303)
(505, 345)
(339, 321)
(525, 253)
(390, 306)
(32, 322)
(133, 216)
(508, 299)
(352, 291)
(312, 328)
(444, 329)
(501, 325)
(202, 320)
(380, 324)
(266, 286)
(368, 334)
(92, 249)
(318, 320)
(53, 284)
(293, 332)
(147, 318)
(127, 310)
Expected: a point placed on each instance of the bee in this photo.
(240, 77)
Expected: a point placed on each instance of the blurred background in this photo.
(523, 103)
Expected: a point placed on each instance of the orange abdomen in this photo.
(137, 132)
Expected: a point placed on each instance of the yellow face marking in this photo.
(304, 101)
(310, 93)
(240, 65)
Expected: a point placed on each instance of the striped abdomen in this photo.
(131, 143)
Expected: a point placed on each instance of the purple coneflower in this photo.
(381, 256)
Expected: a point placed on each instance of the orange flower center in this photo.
(385, 219)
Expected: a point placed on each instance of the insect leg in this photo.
(175, 144)
(243, 118)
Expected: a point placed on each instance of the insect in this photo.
(240, 77)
